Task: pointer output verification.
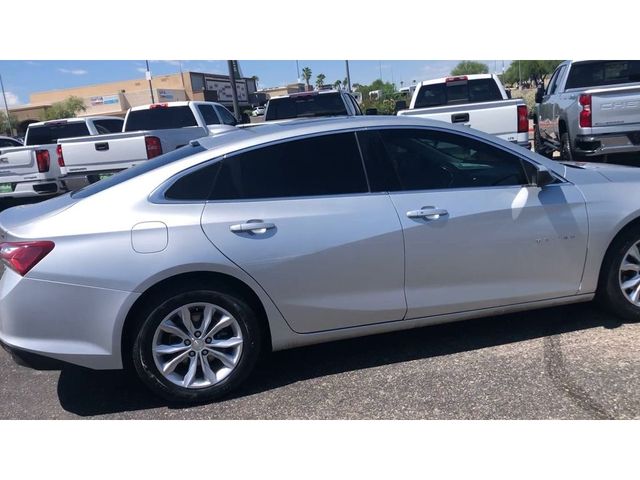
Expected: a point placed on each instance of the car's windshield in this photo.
(139, 169)
(312, 105)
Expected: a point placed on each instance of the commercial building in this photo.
(115, 98)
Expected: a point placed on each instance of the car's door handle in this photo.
(253, 227)
(102, 146)
(429, 213)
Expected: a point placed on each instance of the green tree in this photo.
(320, 79)
(306, 74)
(337, 84)
(4, 124)
(469, 67)
(65, 109)
(529, 70)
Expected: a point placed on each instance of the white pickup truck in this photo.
(148, 131)
(477, 101)
(32, 170)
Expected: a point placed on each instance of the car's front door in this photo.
(477, 234)
(299, 218)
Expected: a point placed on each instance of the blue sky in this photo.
(23, 77)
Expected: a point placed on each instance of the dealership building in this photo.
(115, 98)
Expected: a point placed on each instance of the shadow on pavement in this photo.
(86, 392)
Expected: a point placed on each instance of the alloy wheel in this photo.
(629, 275)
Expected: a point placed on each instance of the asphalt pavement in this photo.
(572, 362)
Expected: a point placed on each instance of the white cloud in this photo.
(12, 99)
(73, 72)
(141, 69)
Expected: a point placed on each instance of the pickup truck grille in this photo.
(634, 137)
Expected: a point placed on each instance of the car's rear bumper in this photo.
(605, 144)
(39, 188)
(71, 323)
(76, 181)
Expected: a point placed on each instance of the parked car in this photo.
(477, 101)
(322, 103)
(32, 170)
(590, 109)
(259, 111)
(8, 142)
(148, 131)
(190, 265)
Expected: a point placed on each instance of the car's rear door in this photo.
(477, 234)
(299, 218)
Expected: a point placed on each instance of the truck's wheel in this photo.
(538, 146)
(566, 151)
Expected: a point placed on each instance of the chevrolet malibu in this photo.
(188, 267)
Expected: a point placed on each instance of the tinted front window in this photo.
(208, 114)
(226, 116)
(108, 126)
(6, 142)
(51, 133)
(326, 165)
(160, 118)
(462, 91)
(609, 72)
(425, 160)
(311, 105)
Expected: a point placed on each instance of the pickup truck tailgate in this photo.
(110, 153)
(497, 118)
(16, 163)
(615, 106)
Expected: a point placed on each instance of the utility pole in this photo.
(6, 107)
(519, 76)
(348, 76)
(148, 75)
(380, 66)
(234, 91)
(298, 70)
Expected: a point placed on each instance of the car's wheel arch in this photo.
(185, 281)
(623, 228)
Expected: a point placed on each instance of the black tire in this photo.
(566, 150)
(538, 145)
(158, 309)
(609, 293)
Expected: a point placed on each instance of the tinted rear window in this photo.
(108, 126)
(139, 169)
(472, 91)
(47, 134)
(160, 118)
(325, 165)
(313, 105)
(609, 72)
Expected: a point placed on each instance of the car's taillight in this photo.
(523, 119)
(60, 157)
(42, 158)
(154, 147)
(23, 256)
(459, 78)
(158, 105)
(585, 113)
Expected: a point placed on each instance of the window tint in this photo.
(306, 105)
(196, 185)
(51, 133)
(139, 169)
(108, 126)
(7, 142)
(424, 160)
(227, 117)
(461, 91)
(553, 85)
(326, 165)
(160, 118)
(208, 114)
(609, 72)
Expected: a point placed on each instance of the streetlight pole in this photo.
(298, 70)
(234, 91)
(348, 76)
(6, 107)
(148, 75)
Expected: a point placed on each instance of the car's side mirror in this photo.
(401, 105)
(544, 177)
(539, 94)
(371, 111)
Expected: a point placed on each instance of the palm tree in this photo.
(256, 79)
(337, 84)
(306, 74)
(320, 79)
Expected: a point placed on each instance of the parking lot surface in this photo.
(573, 362)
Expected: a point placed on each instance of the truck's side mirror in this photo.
(371, 111)
(401, 105)
(544, 177)
(539, 94)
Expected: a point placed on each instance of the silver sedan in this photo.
(188, 267)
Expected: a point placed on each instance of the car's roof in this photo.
(260, 133)
(307, 94)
